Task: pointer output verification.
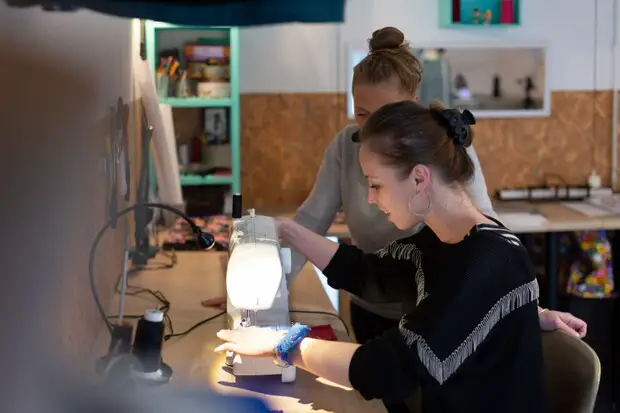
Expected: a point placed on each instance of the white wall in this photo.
(312, 58)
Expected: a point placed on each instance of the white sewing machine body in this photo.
(257, 294)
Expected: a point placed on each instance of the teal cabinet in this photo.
(160, 37)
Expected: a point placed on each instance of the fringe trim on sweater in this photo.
(409, 252)
(442, 370)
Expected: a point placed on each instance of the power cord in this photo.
(192, 328)
(205, 240)
(159, 296)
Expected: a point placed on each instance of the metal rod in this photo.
(121, 304)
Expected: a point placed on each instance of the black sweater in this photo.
(470, 334)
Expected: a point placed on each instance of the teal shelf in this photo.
(200, 180)
(230, 35)
(197, 102)
(465, 16)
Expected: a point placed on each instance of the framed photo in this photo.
(216, 126)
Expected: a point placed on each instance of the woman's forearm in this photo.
(327, 359)
(316, 248)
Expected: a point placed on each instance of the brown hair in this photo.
(389, 57)
(406, 134)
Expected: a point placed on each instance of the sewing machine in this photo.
(257, 294)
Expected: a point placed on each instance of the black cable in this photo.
(205, 240)
(192, 328)
(206, 320)
(159, 296)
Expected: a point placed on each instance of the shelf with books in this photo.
(198, 67)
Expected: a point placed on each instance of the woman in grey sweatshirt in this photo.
(389, 73)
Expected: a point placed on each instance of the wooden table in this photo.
(559, 218)
(198, 276)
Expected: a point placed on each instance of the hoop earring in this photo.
(426, 211)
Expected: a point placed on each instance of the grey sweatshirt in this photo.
(340, 183)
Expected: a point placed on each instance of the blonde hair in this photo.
(389, 58)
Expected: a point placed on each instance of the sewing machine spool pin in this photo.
(248, 318)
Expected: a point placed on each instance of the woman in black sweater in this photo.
(469, 336)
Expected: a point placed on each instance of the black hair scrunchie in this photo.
(458, 125)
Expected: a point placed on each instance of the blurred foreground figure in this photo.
(69, 398)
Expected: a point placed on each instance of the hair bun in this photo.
(386, 38)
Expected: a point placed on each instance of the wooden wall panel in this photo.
(284, 136)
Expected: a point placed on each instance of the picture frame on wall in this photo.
(216, 126)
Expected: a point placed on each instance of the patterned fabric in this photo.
(181, 237)
(588, 262)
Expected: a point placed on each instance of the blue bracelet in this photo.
(289, 343)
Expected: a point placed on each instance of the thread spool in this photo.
(237, 207)
(147, 347)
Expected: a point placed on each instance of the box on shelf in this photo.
(213, 90)
(201, 69)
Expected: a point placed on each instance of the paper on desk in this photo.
(610, 203)
(522, 220)
(586, 209)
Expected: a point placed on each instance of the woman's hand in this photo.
(556, 320)
(250, 341)
(281, 223)
(316, 248)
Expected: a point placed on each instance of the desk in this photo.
(559, 219)
(198, 275)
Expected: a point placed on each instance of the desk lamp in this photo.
(119, 362)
